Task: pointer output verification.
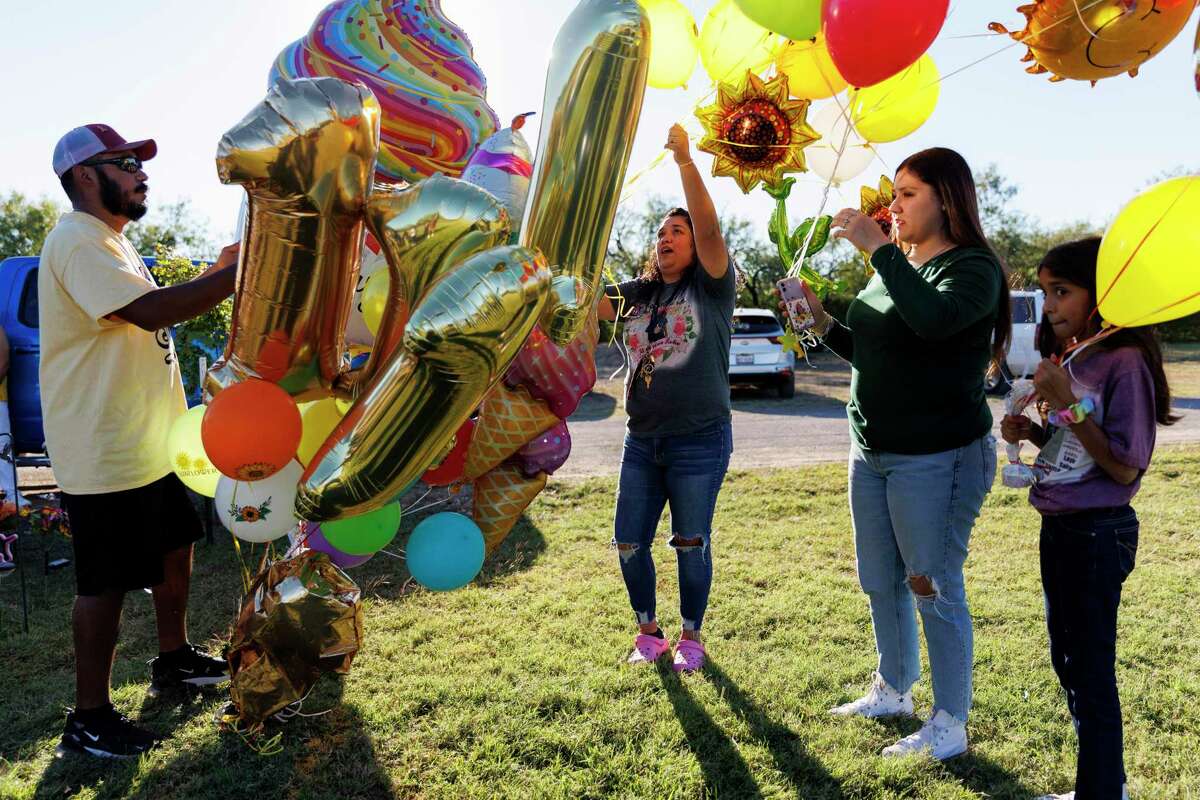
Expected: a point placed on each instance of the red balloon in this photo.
(872, 40)
(251, 430)
(451, 468)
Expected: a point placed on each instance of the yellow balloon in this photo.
(1146, 272)
(374, 299)
(186, 452)
(897, 106)
(318, 420)
(674, 43)
(731, 43)
(810, 71)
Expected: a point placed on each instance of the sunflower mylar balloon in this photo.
(756, 132)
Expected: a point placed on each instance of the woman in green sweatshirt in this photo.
(922, 459)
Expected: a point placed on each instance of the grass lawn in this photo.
(515, 686)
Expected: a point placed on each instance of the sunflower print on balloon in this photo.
(250, 513)
(755, 132)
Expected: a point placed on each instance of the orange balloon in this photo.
(251, 430)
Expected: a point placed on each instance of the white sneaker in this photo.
(1071, 795)
(942, 737)
(881, 701)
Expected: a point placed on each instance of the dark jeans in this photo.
(687, 472)
(1085, 557)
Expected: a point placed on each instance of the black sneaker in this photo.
(104, 733)
(185, 667)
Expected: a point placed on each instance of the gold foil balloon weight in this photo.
(306, 157)
(593, 100)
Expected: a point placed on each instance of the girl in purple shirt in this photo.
(1092, 454)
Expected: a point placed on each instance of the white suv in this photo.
(1023, 356)
(756, 354)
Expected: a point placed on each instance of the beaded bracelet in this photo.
(1073, 414)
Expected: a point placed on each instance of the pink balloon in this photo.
(558, 375)
(872, 40)
(547, 452)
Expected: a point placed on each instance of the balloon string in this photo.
(1015, 43)
(1121, 272)
(798, 260)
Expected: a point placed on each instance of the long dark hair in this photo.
(1075, 262)
(650, 272)
(950, 176)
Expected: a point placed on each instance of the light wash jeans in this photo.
(913, 516)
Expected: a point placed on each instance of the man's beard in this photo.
(117, 204)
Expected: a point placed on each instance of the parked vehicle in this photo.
(756, 354)
(19, 317)
(1023, 356)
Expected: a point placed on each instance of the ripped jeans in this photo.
(912, 517)
(687, 472)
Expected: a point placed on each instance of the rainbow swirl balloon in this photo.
(421, 69)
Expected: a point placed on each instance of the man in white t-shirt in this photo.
(111, 389)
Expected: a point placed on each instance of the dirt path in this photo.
(769, 432)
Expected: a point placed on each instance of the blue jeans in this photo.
(912, 517)
(687, 472)
(1086, 556)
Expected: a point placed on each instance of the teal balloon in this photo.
(795, 19)
(445, 551)
(365, 534)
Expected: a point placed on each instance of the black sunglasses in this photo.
(130, 164)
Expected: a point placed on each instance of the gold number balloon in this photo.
(458, 342)
(306, 156)
(1088, 41)
(594, 89)
(425, 230)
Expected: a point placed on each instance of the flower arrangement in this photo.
(46, 519)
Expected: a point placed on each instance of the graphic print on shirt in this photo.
(1064, 459)
(162, 337)
(680, 333)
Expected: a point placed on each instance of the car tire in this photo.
(786, 387)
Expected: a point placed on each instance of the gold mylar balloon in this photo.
(458, 342)
(425, 230)
(594, 89)
(1099, 39)
(306, 156)
(301, 617)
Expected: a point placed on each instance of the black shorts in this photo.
(120, 538)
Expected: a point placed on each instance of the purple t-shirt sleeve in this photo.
(1129, 410)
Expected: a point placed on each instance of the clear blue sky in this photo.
(184, 73)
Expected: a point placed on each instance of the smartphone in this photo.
(796, 304)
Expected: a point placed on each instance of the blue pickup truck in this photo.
(19, 317)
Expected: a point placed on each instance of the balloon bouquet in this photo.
(770, 61)
(461, 354)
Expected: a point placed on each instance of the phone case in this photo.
(796, 304)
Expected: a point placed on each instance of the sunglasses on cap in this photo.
(130, 164)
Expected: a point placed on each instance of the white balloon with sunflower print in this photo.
(260, 511)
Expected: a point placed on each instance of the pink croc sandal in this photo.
(647, 649)
(689, 655)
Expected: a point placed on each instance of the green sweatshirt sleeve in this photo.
(839, 340)
(964, 292)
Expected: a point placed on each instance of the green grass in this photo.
(515, 686)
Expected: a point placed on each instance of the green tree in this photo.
(24, 224)
(198, 337)
(176, 227)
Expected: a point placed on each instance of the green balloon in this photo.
(365, 534)
(795, 19)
